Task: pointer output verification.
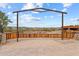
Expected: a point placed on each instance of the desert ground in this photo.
(40, 47)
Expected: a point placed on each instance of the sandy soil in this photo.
(40, 47)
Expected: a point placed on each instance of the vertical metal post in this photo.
(6, 37)
(62, 26)
(1, 31)
(0, 39)
(17, 28)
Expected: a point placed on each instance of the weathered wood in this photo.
(23, 35)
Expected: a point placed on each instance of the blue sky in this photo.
(45, 19)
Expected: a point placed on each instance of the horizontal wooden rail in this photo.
(67, 34)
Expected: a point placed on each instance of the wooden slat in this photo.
(67, 34)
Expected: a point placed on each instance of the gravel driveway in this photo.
(40, 47)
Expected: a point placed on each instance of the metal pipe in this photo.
(17, 27)
(62, 26)
(40, 10)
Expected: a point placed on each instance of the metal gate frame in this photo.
(40, 10)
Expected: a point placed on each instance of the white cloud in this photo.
(12, 17)
(67, 5)
(64, 10)
(45, 17)
(9, 7)
(35, 12)
(51, 16)
(39, 4)
(32, 5)
(9, 13)
(3, 5)
(74, 19)
(48, 17)
(28, 6)
(23, 19)
(26, 18)
(54, 9)
(29, 18)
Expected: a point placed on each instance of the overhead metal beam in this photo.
(40, 9)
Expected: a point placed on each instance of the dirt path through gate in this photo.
(40, 46)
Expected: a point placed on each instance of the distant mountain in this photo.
(36, 28)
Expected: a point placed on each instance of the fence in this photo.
(67, 34)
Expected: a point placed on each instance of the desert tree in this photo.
(4, 20)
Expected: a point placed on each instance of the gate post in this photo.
(1, 31)
(62, 26)
(17, 28)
